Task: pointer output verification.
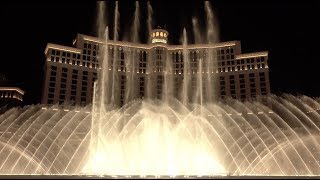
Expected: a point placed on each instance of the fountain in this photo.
(189, 136)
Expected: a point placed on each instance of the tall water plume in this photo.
(186, 68)
(133, 55)
(149, 19)
(136, 24)
(116, 56)
(196, 31)
(210, 61)
(101, 18)
(212, 25)
(168, 79)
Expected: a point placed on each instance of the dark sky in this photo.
(288, 30)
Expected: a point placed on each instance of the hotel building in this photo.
(10, 95)
(70, 72)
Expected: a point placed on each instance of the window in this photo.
(51, 90)
(121, 54)
(50, 95)
(53, 52)
(72, 98)
(63, 53)
(53, 68)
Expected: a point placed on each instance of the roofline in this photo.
(12, 89)
(61, 47)
(255, 54)
(149, 46)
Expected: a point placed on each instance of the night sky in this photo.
(288, 30)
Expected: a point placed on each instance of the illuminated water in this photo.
(164, 137)
(145, 138)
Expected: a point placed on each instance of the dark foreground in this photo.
(149, 177)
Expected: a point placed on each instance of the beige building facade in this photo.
(70, 72)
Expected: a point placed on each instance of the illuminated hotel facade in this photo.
(10, 95)
(70, 72)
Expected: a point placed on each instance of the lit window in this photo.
(161, 34)
(157, 33)
(165, 34)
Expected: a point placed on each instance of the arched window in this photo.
(144, 58)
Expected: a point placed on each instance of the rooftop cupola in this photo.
(159, 36)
